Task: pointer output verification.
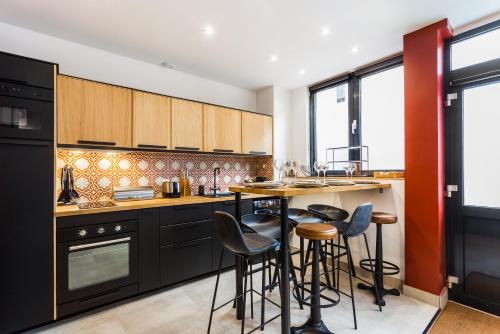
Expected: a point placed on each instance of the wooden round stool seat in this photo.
(316, 231)
(384, 218)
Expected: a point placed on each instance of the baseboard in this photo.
(429, 298)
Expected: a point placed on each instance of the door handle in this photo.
(94, 142)
(96, 244)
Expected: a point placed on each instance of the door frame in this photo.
(456, 82)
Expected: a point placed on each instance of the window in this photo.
(382, 118)
(364, 108)
(475, 49)
(332, 119)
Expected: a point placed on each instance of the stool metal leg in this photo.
(377, 294)
(263, 291)
(215, 292)
(244, 302)
(302, 264)
(251, 288)
(349, 260)
(314, 324)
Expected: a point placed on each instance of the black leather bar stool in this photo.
(333, 215)
(245, 246)
(358, 224)
(316, 233)
(270, 226)
(382, 267)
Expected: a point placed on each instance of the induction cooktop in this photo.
(95, 205)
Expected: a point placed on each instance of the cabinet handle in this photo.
(152, 146)
(258, 152)
(185, 148)
(93, 142)
(223, 151)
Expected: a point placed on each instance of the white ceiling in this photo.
(246, 34)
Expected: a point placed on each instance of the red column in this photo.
(424, 157)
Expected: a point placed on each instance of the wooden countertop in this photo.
(286, 191)
(73, 210)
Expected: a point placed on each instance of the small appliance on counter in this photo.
(133, 193)
(170, 189)
(68, 193)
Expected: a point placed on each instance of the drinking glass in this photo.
(352, 168)
(294, 166)
(316, 168)
(324, 168)
(346, 169)
(306, 170)
(278, 165)
(287, 166)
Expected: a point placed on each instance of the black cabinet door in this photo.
(185, 213)
(186, 260)
(179, 233)
(229, 207)
(26, 240)
(149, 249)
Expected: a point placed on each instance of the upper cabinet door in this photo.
(93, 113)
(222, 129)
(256, 134)
(187, 125)
(151, 121)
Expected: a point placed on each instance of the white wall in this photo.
(299, 125)
(265, 100)
(90, 63)
(281, 123)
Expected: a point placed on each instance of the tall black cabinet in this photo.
(26, 192)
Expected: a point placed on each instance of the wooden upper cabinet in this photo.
(256, 134)
(187, 125)
(151, 121)
(93, 113)
(222, 129)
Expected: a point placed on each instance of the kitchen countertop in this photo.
(73, 210)
(290, 191)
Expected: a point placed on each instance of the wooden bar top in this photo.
(73, 210)
(289, 191)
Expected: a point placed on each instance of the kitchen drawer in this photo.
(185, 213)
(178, 233)
(186, 260)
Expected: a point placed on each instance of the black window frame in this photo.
(353, 79)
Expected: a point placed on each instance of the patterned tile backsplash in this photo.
(97, 173)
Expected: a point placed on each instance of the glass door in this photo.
(472, 127)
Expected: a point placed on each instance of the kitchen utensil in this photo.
(170, 189)
(68, 193)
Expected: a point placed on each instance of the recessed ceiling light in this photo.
(354, 49)
(208, 30)
(274, 58)
(302, 71)
(325, 31)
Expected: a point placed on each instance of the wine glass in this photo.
(306, 170)
(324, 168)
(278, 165)
(347, 170)
(352, 168)
(287, 166)
(294, 167)
(316, 168)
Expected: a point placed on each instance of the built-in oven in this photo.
(26, 112)
(96, 264)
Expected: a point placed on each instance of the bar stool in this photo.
(336, 217)
(382, 267)
(245, 246)
(315, 232)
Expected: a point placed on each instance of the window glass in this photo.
(382, 118)
(481, 145)
(332, 121)
(476, 49)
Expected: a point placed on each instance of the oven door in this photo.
(22, 118)
(92, 267)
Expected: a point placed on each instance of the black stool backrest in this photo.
(329, 212)
(360, 220)
(229, 232)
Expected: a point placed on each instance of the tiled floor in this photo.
(185, 310)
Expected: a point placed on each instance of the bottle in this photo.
(185, 185)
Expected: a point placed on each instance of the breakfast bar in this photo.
(283, 193)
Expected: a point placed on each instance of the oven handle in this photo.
(102, 243)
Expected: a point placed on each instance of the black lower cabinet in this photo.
(149, 249)
(185, 260)
(229, 207)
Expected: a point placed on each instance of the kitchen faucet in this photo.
(216, 172)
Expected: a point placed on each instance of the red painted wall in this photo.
(424, 157)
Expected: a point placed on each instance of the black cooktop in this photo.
(95, 205)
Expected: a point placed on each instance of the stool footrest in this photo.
(332, 302)
(388, 267)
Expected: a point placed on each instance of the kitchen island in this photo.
(285, 193)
